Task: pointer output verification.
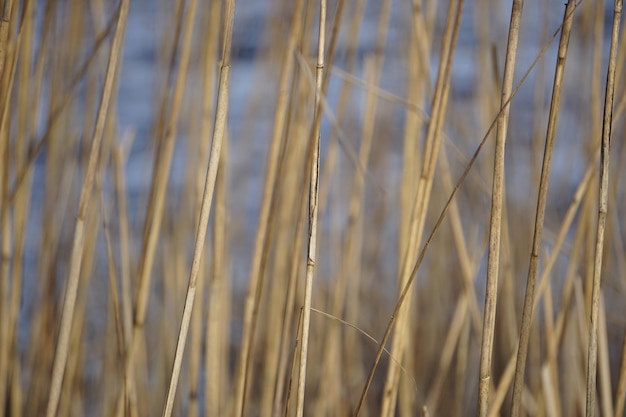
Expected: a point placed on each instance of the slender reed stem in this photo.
(520, 367)
(313, 209)
(209, 187)
(495, 223)
(433, 137)
(280, 116)
(605, 156)
(71, 291)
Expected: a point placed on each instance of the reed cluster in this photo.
(320, 208)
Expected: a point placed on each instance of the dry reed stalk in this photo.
(418, 85)
(342, 103)
(114, 292)
(218, 330)
(9, 49)
(620, 394)
(25, 124)
(329, 390)
(276, 305)
(217, 312)
(278, 293)
(210, 53)
(313, 213)
(549, 369)
(412, 126)
(6, 21)
(495, 223)
(507, 376)
(595, 88)
(549, 394)
(606, 402)
(290, 191)
(294, 362)
(219, 130)
(432, 141)
(85, 197)
(77, 350)
(119, 159)
(592, 350)
(508, 333)
(158, 188)
(595, 25)
(295, 267)
(533, 266)
(352, 246)
(580, 342)
(280, 115)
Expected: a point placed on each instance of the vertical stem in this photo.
(496, 214)
(592, 348)
(313, 207)
(207, 198)
(251, 306)
(71, 291)
(527, 314)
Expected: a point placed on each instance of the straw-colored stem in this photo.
(495, 223)
(158, 189)
(126, 295)
(592, 349)
(216, 313)
(520, 367)
(62, 348)
(606, 402)
(418, 209)
(620, 395)
(5, 24)
(418, 216)
(8, 61)
(290, 301)
(280, 116)
(218, 135)
(313, 210)
(197, 180)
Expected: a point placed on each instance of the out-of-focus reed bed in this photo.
(328, 208)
